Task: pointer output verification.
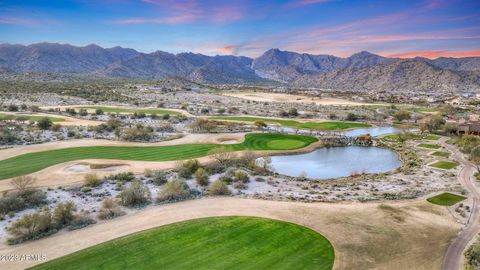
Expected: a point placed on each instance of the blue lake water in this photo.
(334, 162)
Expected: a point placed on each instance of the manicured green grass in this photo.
(333, 125)
(429, 146)
(130, 110)
(33, 118)
(446, 199)
(431, 137)
(32, 162)
(440, 154)
(208, 243)
(447, 165)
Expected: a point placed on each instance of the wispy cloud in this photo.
(302, 3)
(436, 54)
(10, 20)
(188, 11)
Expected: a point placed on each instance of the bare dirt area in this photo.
(398, 235)
(290, 98)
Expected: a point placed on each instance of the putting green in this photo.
(129, 110)
(295, 124)
(32, 162)
(208, 243)
(285, 144)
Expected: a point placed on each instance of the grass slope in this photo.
(295, 124)
(429, 146)
(446, 199)
(33, 118)
(209, 243)
(440, 154)
(32, 162)
(130, 110)
(447, 165)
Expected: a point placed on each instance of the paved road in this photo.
(454, 257)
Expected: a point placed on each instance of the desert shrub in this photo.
(137, 133)
(56, 127)
(159, 177)
(123, 177)
(226, 179)
(148, 172)
(174, 190)
(98, 111)
(110, 209)
(240, 185)
(472, 256)
(351, 117)
(80, 220)
(135, 195)
(63, 214)
(7, 136)
(203, 125)
(92, 180)
(187, 168)
(218, 187)
(23, 183)
(15, 201)
(241, 176)
(201, 177)
(44, 123)
(31, 226)
(12, 108)
(468, 142)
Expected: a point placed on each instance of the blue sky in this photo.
(429, 28)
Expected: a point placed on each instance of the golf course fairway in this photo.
(331, 125)
(208, 243)
(33, 162)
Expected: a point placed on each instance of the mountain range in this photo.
(362, 71)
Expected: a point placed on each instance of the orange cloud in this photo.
(436, 54)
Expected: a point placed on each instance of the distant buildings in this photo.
(469, 127)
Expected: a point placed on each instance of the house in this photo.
(470, 127)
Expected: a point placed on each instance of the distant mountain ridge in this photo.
(362, 71)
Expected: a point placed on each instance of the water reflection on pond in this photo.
(335, 162)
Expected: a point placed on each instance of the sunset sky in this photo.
(430, 28)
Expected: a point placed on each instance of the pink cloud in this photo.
(301, 3)
(435, 54)
(179, 19)
(188, 11)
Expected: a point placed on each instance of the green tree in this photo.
(44, 123)
(475, 157)
(402, 115)
(435, 123)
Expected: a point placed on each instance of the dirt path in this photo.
(400, 235)
(454, 257)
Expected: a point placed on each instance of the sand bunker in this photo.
(88, 168)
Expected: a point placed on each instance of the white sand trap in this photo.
(229, 142)
(85, 168)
